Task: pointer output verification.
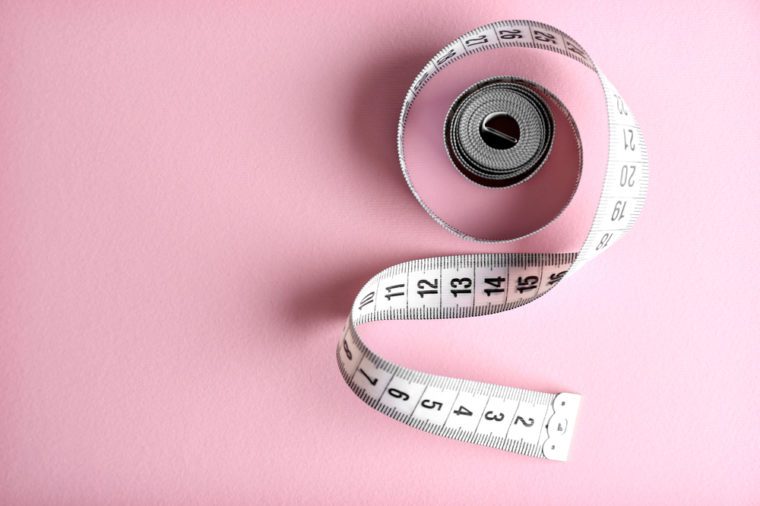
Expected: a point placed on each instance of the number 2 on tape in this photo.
(527, 422)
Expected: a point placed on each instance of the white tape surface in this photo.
(518, 420)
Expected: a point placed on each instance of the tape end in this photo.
(561, 426)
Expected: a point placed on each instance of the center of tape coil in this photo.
(499, 132)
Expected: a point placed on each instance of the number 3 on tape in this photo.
(531, 423)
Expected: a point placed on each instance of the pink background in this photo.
(192, 193)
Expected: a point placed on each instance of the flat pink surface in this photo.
(192, 193)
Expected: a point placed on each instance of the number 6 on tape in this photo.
(522, 421)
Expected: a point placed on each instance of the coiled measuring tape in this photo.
(504, 132)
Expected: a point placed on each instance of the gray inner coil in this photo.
(513, 146)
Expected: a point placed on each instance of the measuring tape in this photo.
(507, 134)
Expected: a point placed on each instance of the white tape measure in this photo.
(504, 132)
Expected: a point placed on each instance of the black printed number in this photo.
(349, 355)
(545, 37)
(476, 41)
(496, 417)
(427, 403)
(525, 283)
(367, 300)
(496, 283)
(443, 59)
(619, 210)
(421, 81)
(392, 291)
(461, 285)
(510, 34)
(626, 175)
(373, 381)
(398, 394)
(556, 277)
(621, 106)
(528, 423)
(427, 287)
(628, 141)
(574, 48)
(462, 411)
(604, 241)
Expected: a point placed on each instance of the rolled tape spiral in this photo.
(479, 112)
